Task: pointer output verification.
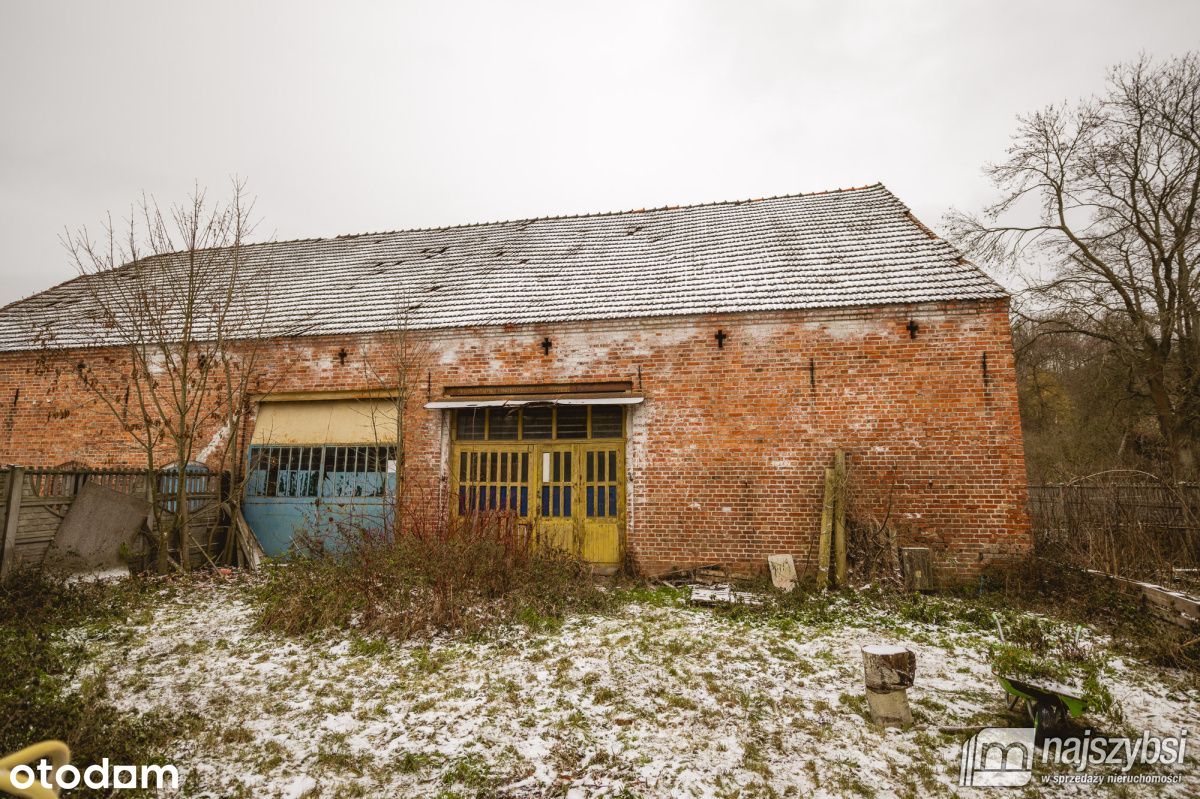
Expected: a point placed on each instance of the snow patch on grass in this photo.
(658, 699)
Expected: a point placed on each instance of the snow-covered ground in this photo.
(658, 699)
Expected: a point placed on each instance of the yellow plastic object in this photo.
(57, 752)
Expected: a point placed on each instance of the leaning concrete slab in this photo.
(783, 571)
(100, 524)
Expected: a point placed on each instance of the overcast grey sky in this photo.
(354, 116)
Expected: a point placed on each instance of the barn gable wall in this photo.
(726, 454)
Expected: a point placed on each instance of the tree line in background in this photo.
(1098, 211)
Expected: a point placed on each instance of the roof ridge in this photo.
(466, 225)
(547, 218)
(587, 215)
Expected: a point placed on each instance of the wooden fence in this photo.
(33, 503)
(1145, 530)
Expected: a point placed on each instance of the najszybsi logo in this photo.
(998, 757)
(1004, 756)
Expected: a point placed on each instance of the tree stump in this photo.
(889, 671)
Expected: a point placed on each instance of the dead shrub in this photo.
(436, 574)
(873, 527)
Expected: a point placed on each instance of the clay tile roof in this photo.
(853, 247)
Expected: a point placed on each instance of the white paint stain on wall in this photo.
(214, 443)
(843, 329)
(649, 341)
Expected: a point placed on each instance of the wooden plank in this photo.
(1173, 606)
(721, 595)
(33, 501)
(839, 517)
(248, 548)
(826, 531)
(916, 565)
(32, 518)
(12, 517)
(35, 534)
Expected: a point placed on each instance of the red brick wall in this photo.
(726, 455)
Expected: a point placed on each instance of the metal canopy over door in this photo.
(561, 472)
(319, 468)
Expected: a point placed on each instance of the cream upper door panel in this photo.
(350, 421)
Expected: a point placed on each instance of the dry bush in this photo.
(437, 574)
(875, 528)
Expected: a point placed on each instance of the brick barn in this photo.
(665, 386)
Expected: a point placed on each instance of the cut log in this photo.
(916, 564)
(888, 667)
(889, 671)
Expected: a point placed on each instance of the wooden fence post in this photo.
(823, 552)
(839, 518)
(12, 516)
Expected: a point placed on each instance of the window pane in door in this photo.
(572, 421)
(502, 424)
(537, 422)
(606, 421)
(470, 424)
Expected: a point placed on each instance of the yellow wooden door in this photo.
(557, 497)
(491, 479)
(570, 495)
(602, 501)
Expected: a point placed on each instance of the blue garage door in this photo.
(302, 495)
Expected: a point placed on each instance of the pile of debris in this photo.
(713, 584)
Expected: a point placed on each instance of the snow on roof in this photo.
(852, 247)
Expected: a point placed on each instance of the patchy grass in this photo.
(324, 678)
(1076, 597)
(652, 697)
(44, 694)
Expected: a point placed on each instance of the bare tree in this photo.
(166, 295)
(398, 367)
(1110, 189)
